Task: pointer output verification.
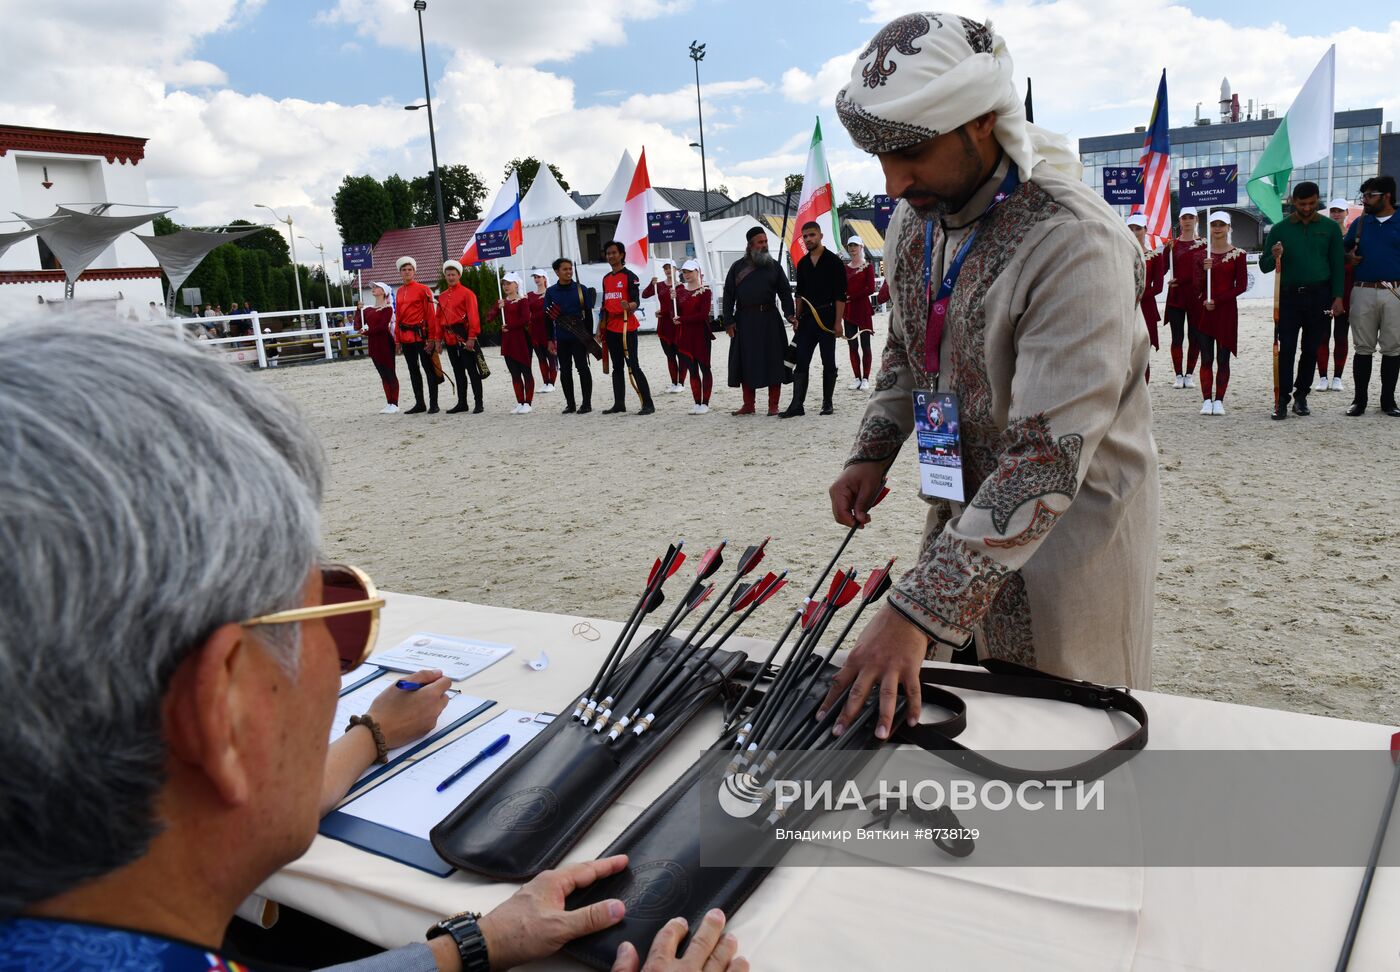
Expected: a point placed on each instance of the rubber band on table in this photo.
(586, 631)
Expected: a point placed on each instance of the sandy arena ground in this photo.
(1277, 585)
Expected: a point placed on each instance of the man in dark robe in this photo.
(753, 290)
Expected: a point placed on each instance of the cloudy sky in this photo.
(274, 101)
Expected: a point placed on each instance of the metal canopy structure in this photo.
(77, 239)
(8, 240)
(180, 253)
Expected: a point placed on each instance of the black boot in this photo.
(797, 406)
(1360, 380)
(828, 386)
(1390, 371)
(461, 406)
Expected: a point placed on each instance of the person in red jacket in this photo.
(859, 314)
(514, 311)
(539, 332)
(1341, 323)
(1155, 266)
(1183, 310)
(617, 329)
(378, 324)
(693, 334)
(461, 327)
(1219, 321)
(418, 333)
(665, 293)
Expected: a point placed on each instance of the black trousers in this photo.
(464, 369)
(809, 338)
(420, 363)
(619, 378)
(572, 354)
(1302, 314)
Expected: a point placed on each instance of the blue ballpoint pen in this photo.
(486, 753)
(408, 686)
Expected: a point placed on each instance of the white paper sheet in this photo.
(358, 703)
(458, 658)
(410, 803)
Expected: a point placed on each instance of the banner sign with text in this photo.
(494, 244)
(1216, 185)
(668, 226)
(1123, 185)
(884, 209)
(357, 256)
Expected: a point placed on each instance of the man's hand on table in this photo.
(532, 923)
(710, 950)
(889, 653)
(404, 716)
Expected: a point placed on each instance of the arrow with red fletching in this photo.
(752, 556)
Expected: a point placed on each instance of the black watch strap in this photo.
(466, 933)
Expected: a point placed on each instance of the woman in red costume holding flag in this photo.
(664, 292)
(1219, 327)
(514, 312)
(378, 322)
(693, 335)
(860, 315)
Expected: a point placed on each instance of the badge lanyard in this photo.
(938, 307)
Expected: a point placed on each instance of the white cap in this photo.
(515, 277)
(1339, 204)
(1220, 216)
(690, 265)
(1137, 219)
(540, 272)
(405, 261)
(451, 265)
(388, 291)
(854, 238)
(1187, 211)
(666, 262)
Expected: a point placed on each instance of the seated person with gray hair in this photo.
(169, 666)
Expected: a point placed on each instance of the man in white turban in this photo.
(1014, 287)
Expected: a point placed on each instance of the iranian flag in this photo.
(632, 225)
(817, 200)
(1303, 137)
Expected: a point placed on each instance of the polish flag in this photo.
(632, 226)
(816, 200)
(504, 215)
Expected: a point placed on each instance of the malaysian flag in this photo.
(1157, 171)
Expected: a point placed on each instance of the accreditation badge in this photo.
(938, 430)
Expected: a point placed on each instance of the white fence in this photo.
(238, 346)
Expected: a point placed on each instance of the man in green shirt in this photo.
(1313, 274)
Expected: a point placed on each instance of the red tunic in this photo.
(458, 315)
(378, 336)
(1180, 292)
(1156, 263)
(539, 332)
(665, 320)
(694, 334)
(1229, 277)
(860, 287)
(418, 321)
(620, 287)
(515, 331)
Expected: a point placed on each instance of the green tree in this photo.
(257, 267)
(855, 200)
(271, 241)
(793, 183)
(163, 225)
(400, 200)
(722, 189)
(233, 266)
(481, 280)
(211, 277)
(462, 193)
(363, 210)
(528, 168)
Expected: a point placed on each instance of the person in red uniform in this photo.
(418, 333)
(1183, 310)
(378, 324)
(665, 293)
(1219, 322)
(617, 326)
(1341, 323)
(1155, 265)
(539, 331)
(693, 334)
(513, 309)
(461, 328)
(860, 315)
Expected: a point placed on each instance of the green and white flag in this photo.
(1303, 137)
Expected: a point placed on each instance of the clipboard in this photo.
(399, 757)
(366, 673)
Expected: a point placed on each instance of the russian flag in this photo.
(502, 217)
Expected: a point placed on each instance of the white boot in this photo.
(1337, 383)
(864, 384)
(855, 385)
(1218, 407)
(389, 409)
(704, 409)
(1321, 383)
(1188, 381)
(1180, 382)
(1206, 408)
(525, 409)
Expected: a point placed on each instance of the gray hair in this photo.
(149, 493)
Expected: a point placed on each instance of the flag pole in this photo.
(1332, 127)
(1278, 289)
(1208, 252)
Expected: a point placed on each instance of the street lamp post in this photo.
(420, 6)
(324, 273)
(697, 54)
(296, 274)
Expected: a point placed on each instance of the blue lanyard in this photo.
(938, 305)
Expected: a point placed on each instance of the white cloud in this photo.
(820, 88)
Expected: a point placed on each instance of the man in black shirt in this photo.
(821, 306)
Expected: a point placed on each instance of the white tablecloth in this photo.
(1146, 919)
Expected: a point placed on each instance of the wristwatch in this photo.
(471, 945)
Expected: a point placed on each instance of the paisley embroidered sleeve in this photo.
(889, 415)
(1061, 405)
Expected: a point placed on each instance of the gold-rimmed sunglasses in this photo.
(349, 605)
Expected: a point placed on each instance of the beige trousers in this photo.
(1375, 320)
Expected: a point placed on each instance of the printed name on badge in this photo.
(937, 428)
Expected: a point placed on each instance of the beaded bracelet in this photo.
(381, 751)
